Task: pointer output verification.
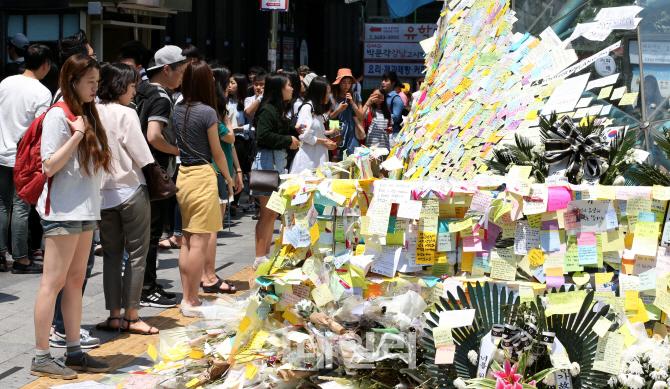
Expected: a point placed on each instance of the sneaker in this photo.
(259, 261)
(165, 293)
(3, 263)
(31, 268)
(53, 369)
(86, 363)
(152, 298)
(189, 310)
(57, 340)
(98, 249)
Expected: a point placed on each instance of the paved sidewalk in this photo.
(235, 252)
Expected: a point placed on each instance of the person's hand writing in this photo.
(295, 143)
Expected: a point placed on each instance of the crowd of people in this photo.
(105, 125)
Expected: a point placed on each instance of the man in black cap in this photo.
(16, 48)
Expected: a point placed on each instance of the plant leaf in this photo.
(540, 376)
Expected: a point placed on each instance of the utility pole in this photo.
(272, 52)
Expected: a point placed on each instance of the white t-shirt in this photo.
(74, 195)
(22, 99)
(311, 155)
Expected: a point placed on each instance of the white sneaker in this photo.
(259, 261)
(189, 310)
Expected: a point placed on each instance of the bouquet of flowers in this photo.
(644, 365)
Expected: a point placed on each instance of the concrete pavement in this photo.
(235, 252)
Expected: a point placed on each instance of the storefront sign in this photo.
(398, 32)
(274, 5)
(376, 69)
(396, 51)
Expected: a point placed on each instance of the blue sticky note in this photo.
(264, 281)
(430, 281)
(611, 220)
(539, 274)
(550, 241)
(645, 217)
(443, 226)
(588, 255)
(391, 228)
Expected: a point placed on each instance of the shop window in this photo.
(43, 28)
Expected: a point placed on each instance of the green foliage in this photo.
(646, 174)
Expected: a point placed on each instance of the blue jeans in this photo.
(57, 321)
(10, 203)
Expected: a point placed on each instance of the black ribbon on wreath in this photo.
(584, 155)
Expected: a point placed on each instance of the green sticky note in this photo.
(264, 268)
(535, 221)
(439, 269)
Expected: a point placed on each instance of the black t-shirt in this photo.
(155, 104)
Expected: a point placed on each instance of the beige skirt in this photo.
(198, 199)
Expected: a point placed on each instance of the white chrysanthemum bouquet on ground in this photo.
(644, 365)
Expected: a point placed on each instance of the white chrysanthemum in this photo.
(635, 368)
(635, 381)
(472, 356)
(604, 166)
(658, 360)
(499, 356)
(575, 369)
(303, 305)
(550, 380)
(658, 374)
(531, 359)
(623, 378)
(659, 385)
(459, 383)
(612, 381)
(545, 301)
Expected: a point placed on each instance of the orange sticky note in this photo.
(554, 271)
(444, 354)
(628, 239)
(374, 290)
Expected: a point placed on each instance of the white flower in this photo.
(636, 382)
(629, 158)
(499, 356)
(550, 380)
(658, 374)
(659, 385)
(472, 356)
(575, 369)
(624, 379)
(537, 150)
(531, 359)
(460, 384)
(635, 368)
(303, 305)
(545, 301)
(619, 181)
(612, 381)
(604, 166)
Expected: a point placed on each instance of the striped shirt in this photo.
(377, 134)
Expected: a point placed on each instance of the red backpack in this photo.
(28, 176)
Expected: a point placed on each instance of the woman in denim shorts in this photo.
(74, 155)
(273, 135)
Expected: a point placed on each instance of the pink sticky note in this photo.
(472, 244)
(555, 281)
(570, 221)
(444, 354)
(559, 196)
(586, 239)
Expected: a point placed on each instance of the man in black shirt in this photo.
(154, 107)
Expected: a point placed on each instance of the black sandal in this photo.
(138, 332)
(216, 287)
(106, 327)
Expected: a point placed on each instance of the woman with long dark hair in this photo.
(74, 155)
(274, 135)
(197, 126)
(292, 108)
(237, 93)
(377, 120)
(315, 144)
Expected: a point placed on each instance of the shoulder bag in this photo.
(265, 180)
(159, 183)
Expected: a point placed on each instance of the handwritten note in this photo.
(442, 336)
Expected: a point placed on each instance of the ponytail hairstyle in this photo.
(94, 147)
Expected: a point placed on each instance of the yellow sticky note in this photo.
(276, 203)
(460, 225)
(153, 353)
(631, 300)
(628, 99)
(322, 295)
(192, 383)
(629, 338)
(160, 366)
(290, 317)
(606, 192)
(314, 233)
(660, 192)
(251, 371)
(536, 257)
(442, 336)
(196, 354)
(245, 322)
(360, 249)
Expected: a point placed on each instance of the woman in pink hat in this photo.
(346, 104)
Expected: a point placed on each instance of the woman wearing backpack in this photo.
(314, 150)
(197, 126)
(74, 156)
(126, 212)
